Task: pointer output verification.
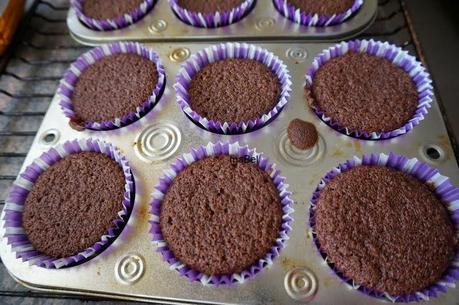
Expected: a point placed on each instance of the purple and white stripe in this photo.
(67, 84)
(210, 20)
(116, 23)
(443, 188)
(396, 55)
(14, 206)
(224, 51)
(200, 153)
(311, 19)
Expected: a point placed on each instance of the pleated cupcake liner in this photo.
(14, 206)
(212, 20)
(179, 165)
(68, 83)
(224, 51)
(444, 190)
(394, 54)
(313, 19)
(115, 23)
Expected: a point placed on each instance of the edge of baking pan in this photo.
(262, 24)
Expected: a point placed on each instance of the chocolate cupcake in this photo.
(383, 224)
(111, 86)
(206, 224)
(211, 14)
(209, 7)
(105, 15)
(318, 12)
(69, 205)
(232, 88)
(368, 89)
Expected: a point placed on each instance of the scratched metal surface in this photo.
(30, 80)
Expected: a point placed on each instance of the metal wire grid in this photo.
(29, 77)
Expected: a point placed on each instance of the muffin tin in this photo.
(131, 268)
(262, 23)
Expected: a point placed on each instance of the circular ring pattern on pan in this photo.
(158, 141)
(301, 284)
(300, 157)
(130, 268)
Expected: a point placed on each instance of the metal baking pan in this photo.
(148, 278)
(264, 22)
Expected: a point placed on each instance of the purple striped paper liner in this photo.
(224, 51)
(115, 23)
(14, 206)
(67, 84)
(394, 54)
(200, 153)
(313, 19)
(212, 20)
(444, 190)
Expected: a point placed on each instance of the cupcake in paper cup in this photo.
(111, 86)
(388, 226)
(69, 205)
(221, 214)
(211, 14)
(318, 13)
(102, 15)
(233, 88)
(368, 89)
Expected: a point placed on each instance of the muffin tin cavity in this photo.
(109, 110)
(116, 16)
(369, 208)
(231, 58)
(214, 15)
(362, 108)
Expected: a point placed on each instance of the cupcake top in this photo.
(109, 9)
(73, 204)
(364, 93)
(385, 230)
(221, 215)
(322, 7)
(113, 87)
(303, 135)
(234, 90)
(209, 6)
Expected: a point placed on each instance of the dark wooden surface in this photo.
(30, 79)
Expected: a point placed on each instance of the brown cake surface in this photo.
(109, 9)
(322, 7)
(209, 6)
(114, 86)
(220, 215)
(73, 204)
(385, 230)
(234, 90)
(364, 93)
(303, 135)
